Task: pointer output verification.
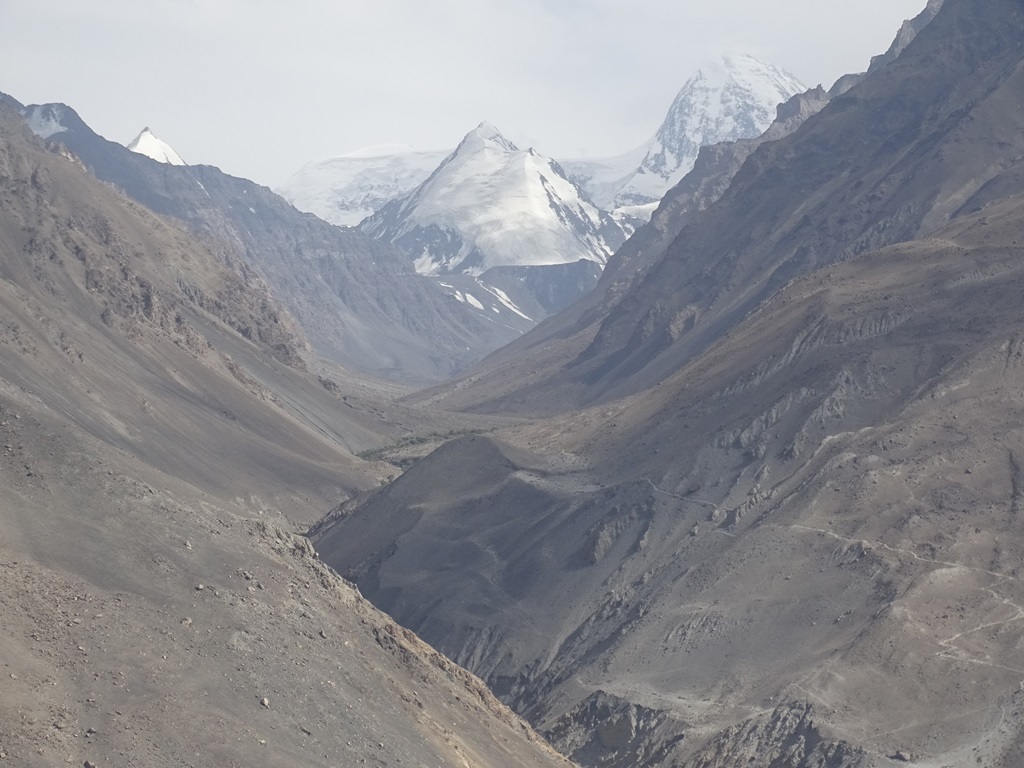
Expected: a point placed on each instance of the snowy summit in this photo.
(492, 204)
(146, 143)
(730, 99)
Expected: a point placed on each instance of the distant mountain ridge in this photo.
(728, 99)
(507, 216)
(345, 190)
(358, 300)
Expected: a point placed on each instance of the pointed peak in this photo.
(487, 135)
(486, 129)
(147, 143)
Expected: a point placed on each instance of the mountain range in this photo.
(505, 215)
(727, 99)
(760, 508)
(359, 301)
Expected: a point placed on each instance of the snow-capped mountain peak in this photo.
(491, 204)
(486, 135)
(729, 99)
(734, 97)
(45, 120)
(147, 143)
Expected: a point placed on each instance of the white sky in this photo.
(260, 87)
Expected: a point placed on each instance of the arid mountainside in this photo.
(359, 301)
(156, 454)
(818, 513)
(784, 531)
(893, 158)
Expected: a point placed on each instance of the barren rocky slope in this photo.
(807, 535)
(155, 455)
(784, 533)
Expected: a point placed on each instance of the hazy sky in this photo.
(260, 87)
